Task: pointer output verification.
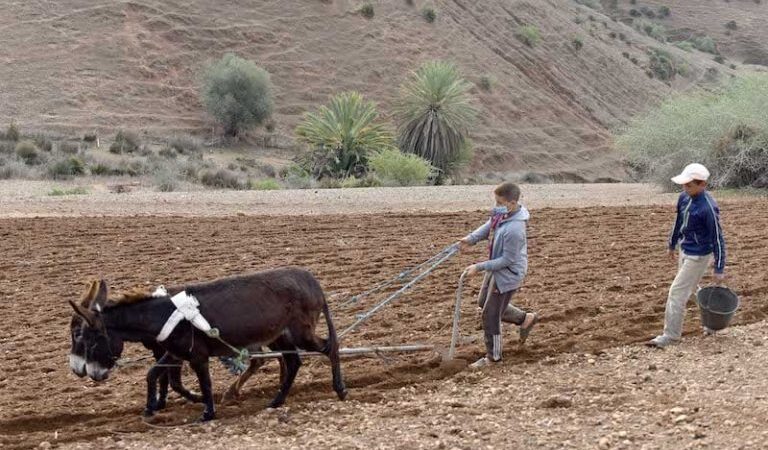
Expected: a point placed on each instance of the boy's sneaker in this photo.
(708, 331)
(482, 363)
(531, 319)
(662, 341)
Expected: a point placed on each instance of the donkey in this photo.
(277, 308)
(167, 375)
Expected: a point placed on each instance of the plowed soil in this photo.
(598, 276)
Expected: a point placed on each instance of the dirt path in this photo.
(31, 199)
(598, 275)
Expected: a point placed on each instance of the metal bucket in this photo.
(717, 305)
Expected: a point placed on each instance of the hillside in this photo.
(75, 66)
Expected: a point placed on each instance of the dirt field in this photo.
(598, 275)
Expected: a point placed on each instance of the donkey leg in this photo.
(162, 395)
(152, 375)
(174, 377)
(200, 366)
(234, 389)
(292, 364)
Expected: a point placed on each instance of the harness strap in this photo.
(186, 309)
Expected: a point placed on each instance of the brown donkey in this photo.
(277, 308)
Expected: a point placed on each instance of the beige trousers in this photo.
(689, 273)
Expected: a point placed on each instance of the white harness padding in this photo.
(186, 309)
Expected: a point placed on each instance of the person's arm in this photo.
(718, 241)
(479, 234)
(675, 236)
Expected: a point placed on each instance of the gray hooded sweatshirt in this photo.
(509, 255)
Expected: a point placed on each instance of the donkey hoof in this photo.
(148, 412)
(207, 416)
(160, 405)
(342, 394)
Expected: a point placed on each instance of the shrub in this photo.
(12, 168)
(367, 10)
(486, 83)
(733, 66)
(370, 180)
(705, 44)
(43, 143)
(296, 177)
(168, 153)
(429, 14)
(719, 59)
(727, 131)
(267, 184)
(237, 93)
(72, 191)
(529, 35)
(133, 168)
(648, 12)
(103, 169)
(69, 148)
(90, 137)
(434, 115)
(125, 142)
(184, 144)
(403, 169)
(656, 31)
(342, 136)
(731, 25)
(685, 45)
(221, 178)
(12, 133)
(165, 180)
(662, 64)
(27, 152)
(66, 168)
(664, 11)
(577, 43)
(7, 147)
(191, 171)
(625, 54)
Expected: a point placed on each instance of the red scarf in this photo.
(495, 220)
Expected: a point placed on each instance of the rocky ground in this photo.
(708, 392)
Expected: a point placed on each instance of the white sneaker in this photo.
(480, 363)
(662, 341)
(708, 331)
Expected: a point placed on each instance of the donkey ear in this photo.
(83, 312)
(101, 296)
(90, 294)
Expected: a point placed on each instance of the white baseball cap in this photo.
(692, 172)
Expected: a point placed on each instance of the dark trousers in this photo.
(497, 308)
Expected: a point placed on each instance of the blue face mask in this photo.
(499, 210)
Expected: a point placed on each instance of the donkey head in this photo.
(93, 352)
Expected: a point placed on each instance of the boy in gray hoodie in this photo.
(504, 270)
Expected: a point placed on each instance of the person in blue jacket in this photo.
(699, 235)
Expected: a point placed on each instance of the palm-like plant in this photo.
(435, 115)
(343, 135)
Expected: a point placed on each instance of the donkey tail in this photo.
(332, 344)
(332, 350)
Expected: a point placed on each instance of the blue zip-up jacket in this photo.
(697, 228)
(509, 255)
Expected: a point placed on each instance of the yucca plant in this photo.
(435, 115)
(342, 136)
